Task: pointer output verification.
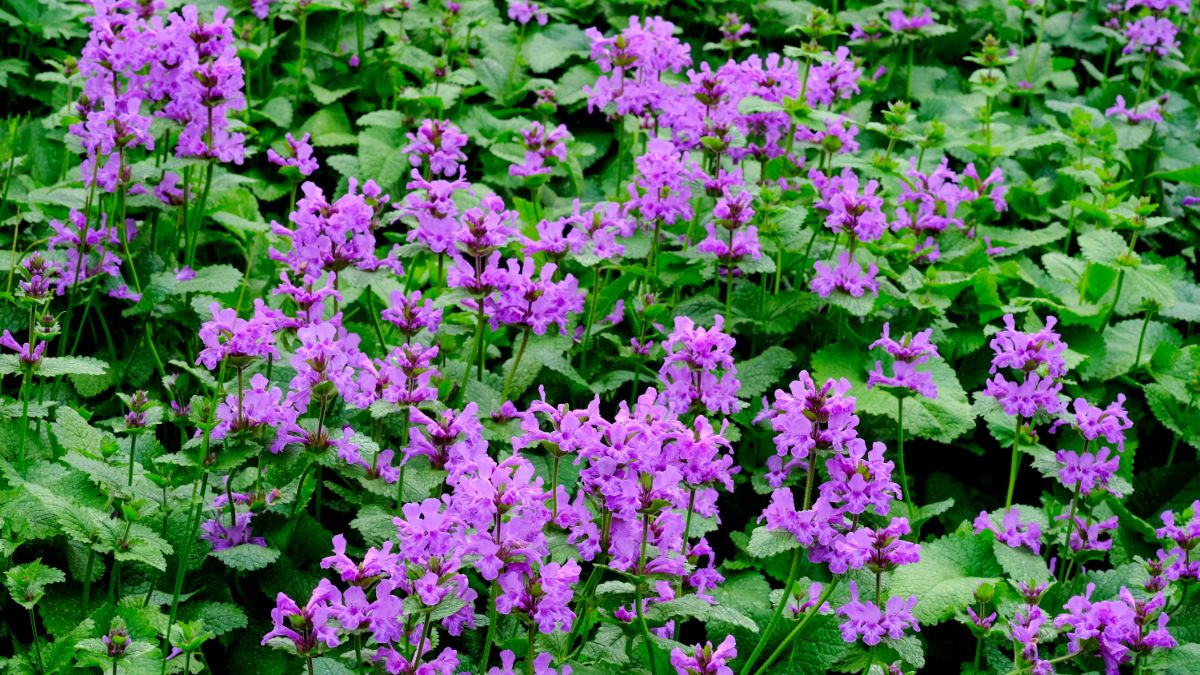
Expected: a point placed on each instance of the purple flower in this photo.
(1025, 399)
(1029, 351)
(661, 192)
(1012, 531)
(532, 299)
(306, 626)
(435, 210)
(1151, 113)
(1085, 537)
(376, 563)
(335, 236)
(858, 479)
(879, 550)
(1151, 34)
(29, 357)
(1094, 422)
(228, 337)
(221, 535)
(1185, 537)
(807, 419)
(698, 369)
(301, 157)
(545, 597)
(438, 143)
(541, 146)
(908, 352)
(1086, 471)
(705, 660)
(867, 621)
(847, 277)
(91, 250)
(904, 22)
(733, 28)
(524, 11)
(261, 8)
(832, 78)
(410, 316)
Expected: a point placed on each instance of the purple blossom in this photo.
(847, 277)
(910, 22)
(410, 316)
(1087, 471)
(524, 11)
(300, 157)
(1012, 531)
(306, 626)
(221, 535)
(541, 146)
(1094, 422)
(698, 369)
(834, 77)
(28, 357)
(1151, 34)
(532, 299)
(705, 660)
(1150, 111)
(239, 340)
(434, 209)
(438, 143)
(661, 192)
(867, 621)
(910, 351)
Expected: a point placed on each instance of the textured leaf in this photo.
(760, 374)
(247, 557)
(27, 583)
(945, 579)
(765, 543)
(942, 419)
(72, 365)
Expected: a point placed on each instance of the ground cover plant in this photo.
(348, 336)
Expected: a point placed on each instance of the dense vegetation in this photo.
(587, 336)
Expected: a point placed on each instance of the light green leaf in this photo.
(760, 373)
(765, 543)
(247, 557)
(945, 579)
(27, 583)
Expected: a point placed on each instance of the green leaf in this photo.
(1189, 175)
(942, 419)
(329, 126)
(247, 557)
(72, 365)
(757, 375)
(1020, 564)
(1121, 343)
(218, 617)
(27, 583)
(945, 579)
(74, 433)
(765, 543)
(1103, 247)
(550, 47)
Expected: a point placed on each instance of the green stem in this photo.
(900, 452)
(87, 580)
(788, 586)
(185, 555)
(1014, 466)
(132, 447)
(37, 647)
(530, 635)
(516, 363)
(812, 611)
(1175, 437)
(491, 629)
(1137, 360)
(477, 344)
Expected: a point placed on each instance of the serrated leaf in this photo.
(762, 372)
(54, 366)
(765, 543)
(27, 583)
(942, 419)
(945, 579)
(247, 557)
